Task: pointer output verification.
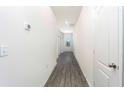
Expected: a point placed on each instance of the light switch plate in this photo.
(3, 50)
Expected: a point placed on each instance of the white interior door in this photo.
(107, 47)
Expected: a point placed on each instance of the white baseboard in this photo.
(89, 83)
(49, 74)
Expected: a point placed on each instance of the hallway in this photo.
(56, 46)
(67, 73)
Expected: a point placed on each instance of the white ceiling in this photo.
(66, 13)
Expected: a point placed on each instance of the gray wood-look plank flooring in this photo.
(67, 73)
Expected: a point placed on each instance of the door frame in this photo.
(121, 49)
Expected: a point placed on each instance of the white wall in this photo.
(83, 37)
(32, 54)
(60, 43)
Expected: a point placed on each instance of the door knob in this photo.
(113, 66)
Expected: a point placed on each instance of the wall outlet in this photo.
(3, 50)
